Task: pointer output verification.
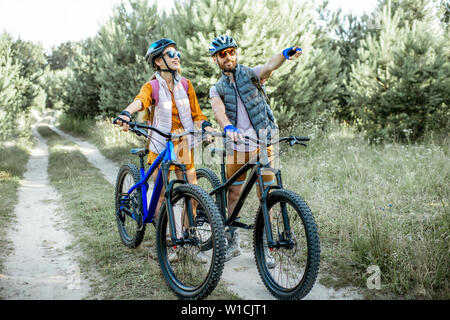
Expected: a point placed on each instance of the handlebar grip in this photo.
(123, 120)
(302, 138)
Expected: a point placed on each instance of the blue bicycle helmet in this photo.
(220, 43)
(156, 49)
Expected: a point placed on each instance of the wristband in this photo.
(232, 128)
(205, 124)
(125, 113)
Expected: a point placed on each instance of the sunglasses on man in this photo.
(231, 52)
(172, 54)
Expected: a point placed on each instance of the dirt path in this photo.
(240, 274)
(40, 266)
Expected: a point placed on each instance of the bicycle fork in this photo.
(169, 207)
(285, 238)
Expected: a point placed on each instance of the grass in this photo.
(14, 155)
(124, 273)
(383, 205)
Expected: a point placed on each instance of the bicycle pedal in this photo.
(242, 225)
(140, 226)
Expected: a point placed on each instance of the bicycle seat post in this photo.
(141, 160)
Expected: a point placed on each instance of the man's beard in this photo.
(229, 69)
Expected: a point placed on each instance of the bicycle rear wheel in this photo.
(208, 181)
(290, 271)
(189, 272)
(130, 224)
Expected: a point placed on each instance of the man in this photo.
(239, 104)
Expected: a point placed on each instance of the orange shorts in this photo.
(183, 156)
(237, 160)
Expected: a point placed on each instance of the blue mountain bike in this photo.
(190, 271)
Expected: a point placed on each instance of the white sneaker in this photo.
(270, 261)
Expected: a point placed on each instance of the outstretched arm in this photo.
(275, 62)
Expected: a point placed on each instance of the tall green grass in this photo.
(14, 155)
(384, 205)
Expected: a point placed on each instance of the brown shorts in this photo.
(237, 160)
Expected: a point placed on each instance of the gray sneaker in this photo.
(270, 261)
(184, 253)
(233, 248)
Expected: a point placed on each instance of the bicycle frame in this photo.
(165, 159)
(256, 168)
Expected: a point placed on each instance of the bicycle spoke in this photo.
(129, 223)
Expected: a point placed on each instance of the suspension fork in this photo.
(168, 201)
(287, 225)
(267, 223)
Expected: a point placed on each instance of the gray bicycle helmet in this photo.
(220, 43)
(156, 49)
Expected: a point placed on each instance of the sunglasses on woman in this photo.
(231, 52)
(172, 54)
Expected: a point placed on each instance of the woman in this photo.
(176, 107)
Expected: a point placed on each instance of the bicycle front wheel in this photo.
(288, 271)
(190, 272)
(130, 217)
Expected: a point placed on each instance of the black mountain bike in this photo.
(285, 232)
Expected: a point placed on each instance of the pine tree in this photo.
(308, 88)
(193, 24)
(21, 66)
(121, 46)
(399, 85)
(81, 90)
(411, 11)
(9, 94)
(302, 89)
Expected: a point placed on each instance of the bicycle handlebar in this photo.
(292, 139)
(136, 127)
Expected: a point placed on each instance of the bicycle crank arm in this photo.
(132, 216)
(182, 242)
(282, 244)
(242, 225)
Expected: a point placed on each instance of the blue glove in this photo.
(231, 128)
(289, 52)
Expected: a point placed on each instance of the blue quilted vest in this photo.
(259, 112)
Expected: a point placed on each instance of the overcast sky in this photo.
(51, 22)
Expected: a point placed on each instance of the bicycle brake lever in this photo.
(293, 141)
